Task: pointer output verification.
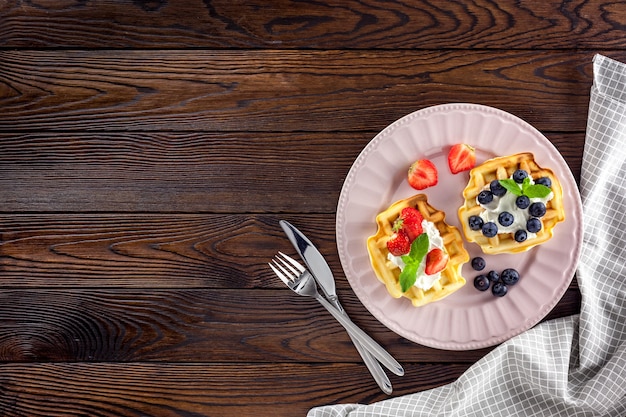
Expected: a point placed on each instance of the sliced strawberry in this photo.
(436, 261)
(422, 174)
(461, 158)
(410, 222)
(399, 244)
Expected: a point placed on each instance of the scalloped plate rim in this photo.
(448, 111)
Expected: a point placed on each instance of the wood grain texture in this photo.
(283, 90)
(328, 24)
(168, 390)
(189, 172)
(198, 325)
(142, 251)
(174, 172)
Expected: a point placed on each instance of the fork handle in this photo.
(373, 366)
(376, 370)
(374, 348)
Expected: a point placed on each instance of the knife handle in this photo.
(374, 348)
(374, 367)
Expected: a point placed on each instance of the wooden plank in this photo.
(153, 251)
(172, 172)
(198, 325)
(141, 251)
(283, 90)
(329, 24)
(245, 390)
(189, 172)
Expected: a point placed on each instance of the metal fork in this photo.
(300, 281)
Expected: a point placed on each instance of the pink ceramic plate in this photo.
(468, 319)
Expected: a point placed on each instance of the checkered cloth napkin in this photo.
(573, 366)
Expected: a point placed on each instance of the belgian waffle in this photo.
(502, 168)
(388, 273)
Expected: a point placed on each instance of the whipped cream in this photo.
(507, 203)
(424, 281)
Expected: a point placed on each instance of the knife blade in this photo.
(314, 261)
(323, 275)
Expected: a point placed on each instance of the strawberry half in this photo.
(410, 222)
(422, 174)
(399, 244)
(436, 261)
(461, 157)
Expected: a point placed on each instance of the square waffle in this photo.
(388, 273)
(502, 168)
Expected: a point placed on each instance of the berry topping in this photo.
(478, 263)
(505, 218)
(422, 174)
(493, 276)
(537, 209)
(485, 197)
(544, 181)
(411, 213)
(496, 188)
(510, 276)
(521, 236)
(461, 158)
(533, 225)
(436, 261)
(399, 244)
(475, 223)
(490, 229)
(481, 283)
(410, 222)
(499, 289)
(522, 202)
(519, 176)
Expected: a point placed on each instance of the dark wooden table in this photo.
(148, 149)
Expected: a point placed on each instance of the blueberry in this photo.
(544, 181)
(481, 283)
(510, 276)
(499, 289)
(485, 197)
(505, 218)
(533, 225)
(521, 236)
(475, 223)
(490, 229)
(522, 202)
(496, 188)
(493, 276)
(537, 209)
(478, 263)
(519, 176)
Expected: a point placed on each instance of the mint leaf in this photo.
(419, 248)
(408, 276)
(537, 191)
(412, 261)
(511, 186)
(525, 185)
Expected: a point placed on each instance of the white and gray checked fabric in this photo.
(573, 366)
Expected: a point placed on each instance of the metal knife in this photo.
(316, 264)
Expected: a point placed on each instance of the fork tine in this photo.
(286, 267)
(279, 274)
(293, 262)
